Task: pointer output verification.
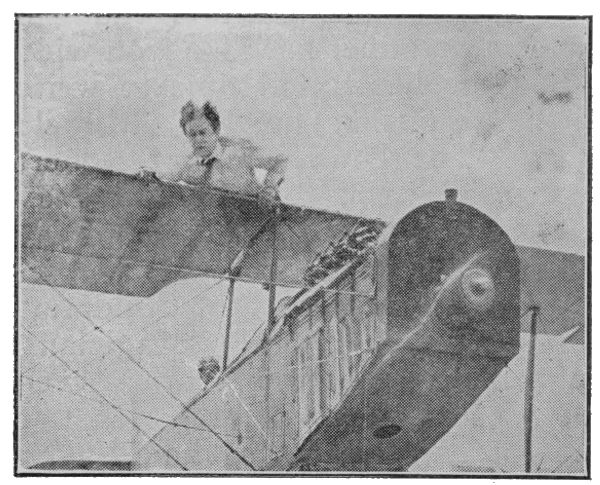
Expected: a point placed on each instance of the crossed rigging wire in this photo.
(170, 312)
(186, 407)
(101, 330)
(220, 277)
(130, 411)
(105, 399)
(120, 314)
(124, 409)
(121, 410)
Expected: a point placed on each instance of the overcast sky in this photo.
(376, 116)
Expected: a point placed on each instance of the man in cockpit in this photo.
(232, 167)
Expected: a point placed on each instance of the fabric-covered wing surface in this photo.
(98, 230)
(555, 282)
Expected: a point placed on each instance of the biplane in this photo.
(365, 368)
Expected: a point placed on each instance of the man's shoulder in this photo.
(233, 152)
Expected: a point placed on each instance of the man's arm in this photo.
(248, 154)
(275, 167)
(162, 175)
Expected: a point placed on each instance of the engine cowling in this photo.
(452, 269)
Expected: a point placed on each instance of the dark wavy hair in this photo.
(189, 111)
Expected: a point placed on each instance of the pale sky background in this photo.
(376, 116)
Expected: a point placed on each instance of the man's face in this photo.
(202, 137)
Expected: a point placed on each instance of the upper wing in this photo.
(555, 282)
(98, 230)
(82, 227)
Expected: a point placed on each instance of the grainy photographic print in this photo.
(331, 245)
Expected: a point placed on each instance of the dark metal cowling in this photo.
(448, 292)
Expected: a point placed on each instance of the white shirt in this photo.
(231, 169)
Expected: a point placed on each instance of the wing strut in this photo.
(234, 271)
(230, 293)
(529, 388)
(273, 272)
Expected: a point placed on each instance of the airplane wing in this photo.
(555, 282)
(99, 230)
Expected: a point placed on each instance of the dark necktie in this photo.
(209, 163)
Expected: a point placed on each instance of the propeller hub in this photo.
(478, 288)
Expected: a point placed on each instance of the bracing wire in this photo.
(124, 409)
(113, 319)
(196, 272)
(105, 399)
(172, 311)
(291, 229)
(311, 363)
(324, 360)
(262, 325)
(69, 344)
(127, 354)
(101, 330)
(252, 417)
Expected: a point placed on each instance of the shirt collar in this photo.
(215, 155)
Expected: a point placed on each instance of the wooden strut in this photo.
(230, 293)
(528, 414)
(271, 325)
(234, 272)
(273, 272)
